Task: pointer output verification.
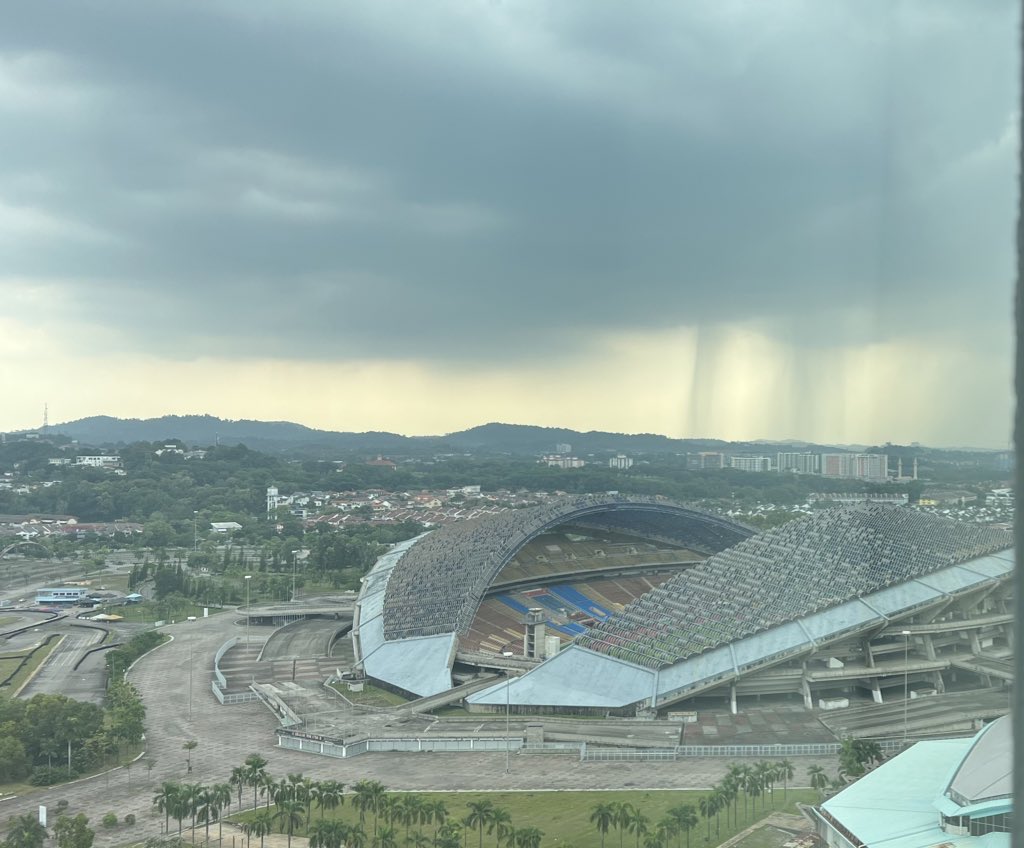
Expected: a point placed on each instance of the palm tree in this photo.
(786, 771)
(387, 838)
(266, 787)
(707, 809)
(819, 780)
(356, 837)
(685, 817)
(330, 795)
(436, 814)
(666, 828)
(290, 814)
(238, 779)
(479, 815)
(205, 809)
(255, 767)
(221, 800)
(420, 840)
(261, 824)
(501, 820)
(328, 834)
(529, 837)
(742, 775)
(189, 747)
(603, 817)
(190, 798)
(407, 811)
(164, 800)
(623, 813)
(638, 824)
(362, 799)
(766, 771)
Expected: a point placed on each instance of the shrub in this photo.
(130, 818)
(62, 805)
(109, 820)
(47, 776)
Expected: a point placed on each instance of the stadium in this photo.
(631, 606)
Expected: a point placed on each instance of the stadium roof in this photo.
(895, 805)
(986, 773)
(437, 585)
(786, 574)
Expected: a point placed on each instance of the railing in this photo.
(219, 684)
(310, 743)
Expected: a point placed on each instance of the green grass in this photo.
(564, 817)
(148, 612)
(765, 837)
(38, 657)
(8, 619)
(371, 696)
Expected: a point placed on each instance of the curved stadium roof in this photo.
(438, 583)
(785, 574)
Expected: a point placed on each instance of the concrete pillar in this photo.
(806, 688)
(929, 646)
(940, 685)
(732, 698)
(876, 691)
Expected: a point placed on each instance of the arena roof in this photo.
(437, 584)
(787, 574)
(986, 772)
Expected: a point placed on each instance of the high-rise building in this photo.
(621, 462)
(798, 463)
(751, 463)
(859, 466)
(705, 460)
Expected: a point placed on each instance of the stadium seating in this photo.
(799, 568)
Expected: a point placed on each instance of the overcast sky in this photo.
(732, 219)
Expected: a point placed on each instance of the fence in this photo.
(822, 749)
(335, 748)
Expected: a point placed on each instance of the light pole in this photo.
(195, 530)
(906, 680)
(295, 559)
(248, 612)
(190, 676)
(508, 715)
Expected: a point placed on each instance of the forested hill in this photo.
(285, 436)
(205, 430)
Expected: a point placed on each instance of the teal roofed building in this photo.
(945, 792)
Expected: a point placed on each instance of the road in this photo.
(303, 639)
(174, 681)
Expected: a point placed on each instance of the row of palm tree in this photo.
(203, 804)
(747, 781)
(626, 818)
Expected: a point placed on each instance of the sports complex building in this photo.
(631, 606)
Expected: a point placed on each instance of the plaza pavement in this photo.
(178, 712)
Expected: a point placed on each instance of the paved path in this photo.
(181, 707)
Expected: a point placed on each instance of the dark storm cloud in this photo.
(429, 179)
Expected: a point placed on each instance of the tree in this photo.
(623, 812)
(239, 780)
(387, 838)
(255, 767)
(167, 802)
(26, 832)
(479, 816)
(189, 747)
(855, 755)
(819, 780)
(686, 819)
(328, 834)
(290, 814)
(786, 772)
(638, 824)
(501, 820)
(330, 795)
(706, 805)
(529, 837)
(261, 824)
(73, 832)
(603, 817)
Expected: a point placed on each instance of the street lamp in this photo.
(190, 635)
(248, 612)
(195, 530)
(906, 680)
(295, 560)
(508, 715)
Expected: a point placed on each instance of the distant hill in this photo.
(204, 430)
(297, 439)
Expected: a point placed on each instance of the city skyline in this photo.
(740, 222)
